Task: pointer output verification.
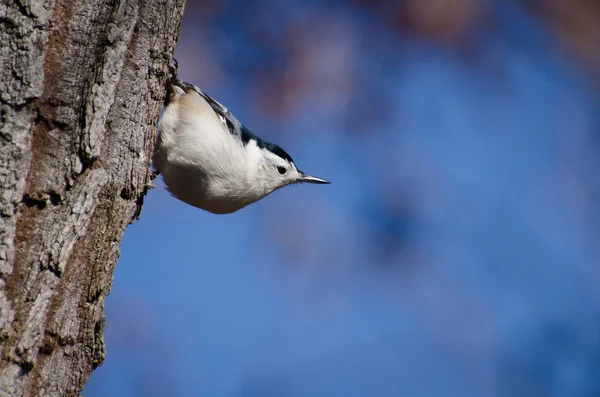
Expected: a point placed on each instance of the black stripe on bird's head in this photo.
(248, 136)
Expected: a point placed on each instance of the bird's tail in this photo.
(175, 87)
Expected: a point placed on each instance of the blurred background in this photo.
(457, 251)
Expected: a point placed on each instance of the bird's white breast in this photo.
(202, 163)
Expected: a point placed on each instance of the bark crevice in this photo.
(81, 88)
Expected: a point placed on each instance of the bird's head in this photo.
(276, 169)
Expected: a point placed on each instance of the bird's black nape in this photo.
(273, 148)
(248, 136)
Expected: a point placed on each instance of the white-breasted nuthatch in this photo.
(208, 159)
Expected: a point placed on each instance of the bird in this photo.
(211, 161)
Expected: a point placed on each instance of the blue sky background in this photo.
(454, 254)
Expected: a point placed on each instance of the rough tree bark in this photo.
(81, 89)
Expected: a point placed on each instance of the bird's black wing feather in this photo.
(228, 119)
(236, 128)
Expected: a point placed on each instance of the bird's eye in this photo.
(281, 170)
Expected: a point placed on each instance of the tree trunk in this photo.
(81, 89)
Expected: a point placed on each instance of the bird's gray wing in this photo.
(228, 119)
(235, 127)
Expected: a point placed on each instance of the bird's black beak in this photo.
(311, 179)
